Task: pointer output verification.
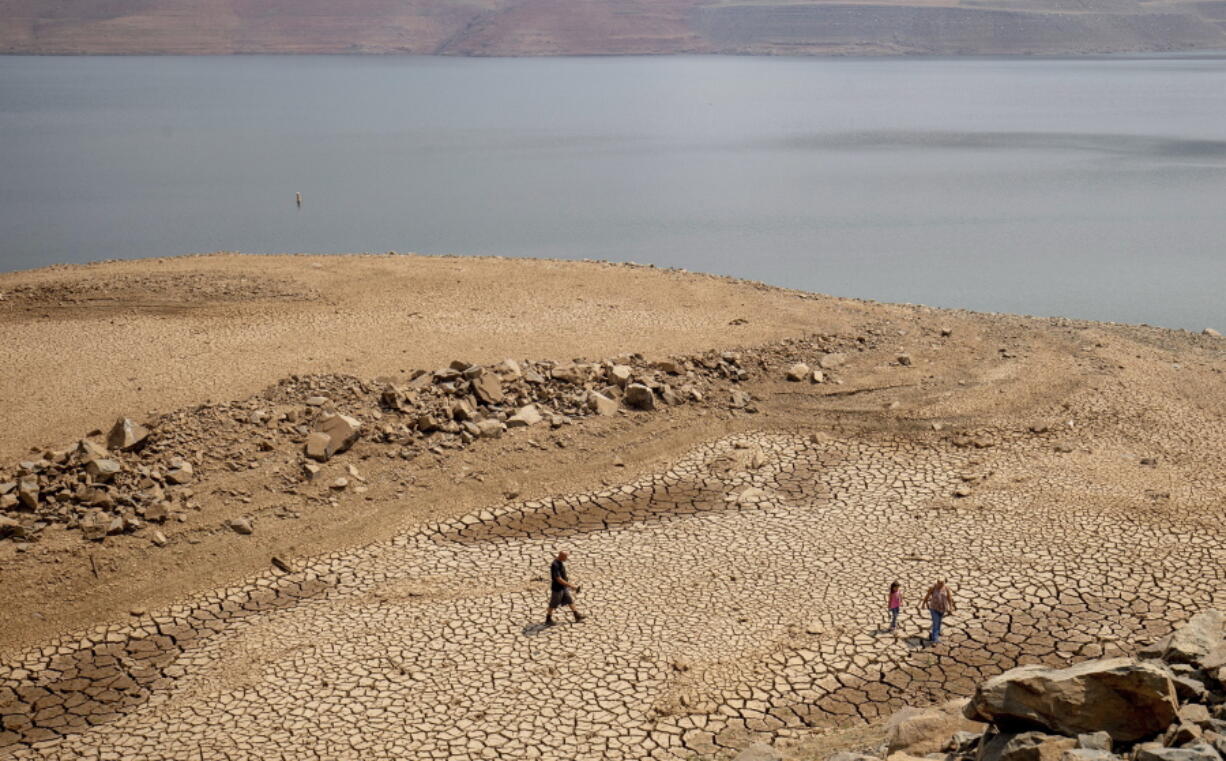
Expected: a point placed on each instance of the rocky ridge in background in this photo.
(140, 474)
(1169, 704)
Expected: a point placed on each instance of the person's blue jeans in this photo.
(937, 618)
(893, 619)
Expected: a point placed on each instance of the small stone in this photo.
(102, 470)
(488, 388)
(240, 526)
(620, 375)
(339, 483)
(832, 360)
(640, 397)
(180, 472)
(490, 429)
(317, 401)
(524, 417)
(1211, 333)
(601, 405)
(158, 539)
(904, 360)
(27, 492)
(798, 372)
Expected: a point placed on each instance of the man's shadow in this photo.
(534, 630)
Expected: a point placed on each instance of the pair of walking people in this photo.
(939, 601)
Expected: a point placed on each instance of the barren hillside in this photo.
(613, 27)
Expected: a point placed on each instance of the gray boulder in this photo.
(1125, 698)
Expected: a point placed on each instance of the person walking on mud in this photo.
(559, 589)
(940, 603)
(894, 602)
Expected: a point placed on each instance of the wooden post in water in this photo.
(298, 199)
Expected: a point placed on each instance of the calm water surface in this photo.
(1088, 188)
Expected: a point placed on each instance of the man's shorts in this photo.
(560, 597)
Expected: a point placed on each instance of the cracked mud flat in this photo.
(715, 614)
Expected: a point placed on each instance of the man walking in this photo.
(559, 589)
(940, 602)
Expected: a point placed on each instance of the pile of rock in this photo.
(102, 487)
(144, 473)
(1167, 705)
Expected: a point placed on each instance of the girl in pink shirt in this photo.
(895, 604)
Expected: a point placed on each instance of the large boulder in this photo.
(126, 434)
(1125, 698)
(1199, 640)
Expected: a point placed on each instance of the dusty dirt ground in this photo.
(1067, 479)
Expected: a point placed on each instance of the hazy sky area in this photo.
(1090, 188)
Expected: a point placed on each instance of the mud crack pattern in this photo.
(739, 592)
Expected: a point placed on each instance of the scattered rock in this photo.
(333, 434)
(180, 472)
(490, 429)
(27, 492)
(126, 435)
(8, 526)
(620, 375)
(102, 470)
(1026, 746)
(1194, 752)
(640, 397)
(601, 404)
(488, 388)
(524, 417)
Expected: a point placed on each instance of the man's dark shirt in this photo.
(557, 571)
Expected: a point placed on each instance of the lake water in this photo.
(1090, 188)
